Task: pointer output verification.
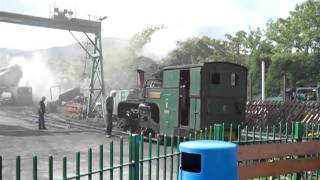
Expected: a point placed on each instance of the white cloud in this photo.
(126, 17)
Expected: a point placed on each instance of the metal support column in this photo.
(97, 78)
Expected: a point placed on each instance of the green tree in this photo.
(140, 39)
(237, 46)
(289, 47)
(248, 48)
(294, 66)
(300, 32)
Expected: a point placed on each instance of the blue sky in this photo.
(182, 19)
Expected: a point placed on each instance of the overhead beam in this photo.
(57, 22)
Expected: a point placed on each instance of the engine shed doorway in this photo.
(184, 98)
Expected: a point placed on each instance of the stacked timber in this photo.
(74, 109)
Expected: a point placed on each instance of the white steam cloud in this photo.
(163, 41)
(36, 74)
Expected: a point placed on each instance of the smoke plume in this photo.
(36, 73)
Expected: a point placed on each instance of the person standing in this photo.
(109, 107)
(42, 110)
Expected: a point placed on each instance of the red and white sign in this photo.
(154, 95)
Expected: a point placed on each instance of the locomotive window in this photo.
(234, 79)
(215, 78)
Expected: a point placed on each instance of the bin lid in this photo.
(206, 145)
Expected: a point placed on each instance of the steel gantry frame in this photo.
(63, 20)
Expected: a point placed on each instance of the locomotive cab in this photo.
(193, 97)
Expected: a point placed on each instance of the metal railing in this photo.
(160, 159)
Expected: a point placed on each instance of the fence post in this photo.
(78, 166)
(0, 167)
(297, 136)
(297, 131)
(111, 160)
(35, 168)
(18, 168)
(218, 132)
(121, 158)
(90, 164)
(101, 162)
(134, 158)
(222, 132)
(50, 168)
(64, 167)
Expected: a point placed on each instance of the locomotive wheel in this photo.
(123, 124)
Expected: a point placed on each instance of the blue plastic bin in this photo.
(208, 160)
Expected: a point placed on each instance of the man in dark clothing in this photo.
(109, 107)
(42, 110)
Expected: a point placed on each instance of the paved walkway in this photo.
(18, 137)
(22, 137)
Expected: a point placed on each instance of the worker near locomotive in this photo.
(42, 111)
(109, 107)
(180, 100)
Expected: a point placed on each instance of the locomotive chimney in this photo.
(140, 78)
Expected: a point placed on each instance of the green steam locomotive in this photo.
(184, 99)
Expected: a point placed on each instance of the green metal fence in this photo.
(159, 158)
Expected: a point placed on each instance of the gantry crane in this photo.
(63, 20)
